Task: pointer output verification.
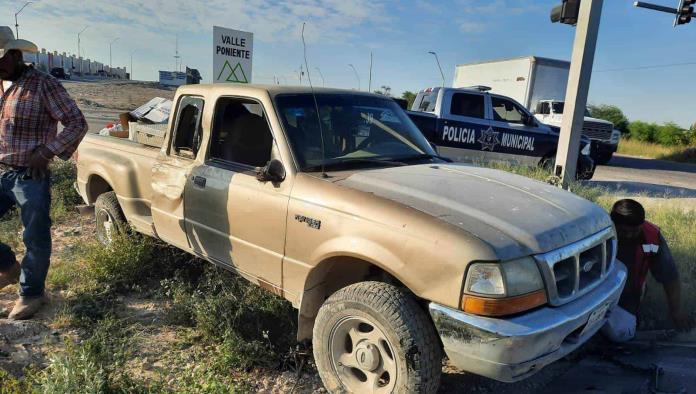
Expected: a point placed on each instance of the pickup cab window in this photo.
(240, 134)
(354, 130)
(471, 105)
(188, 131)
(507, 111)
(543, 108)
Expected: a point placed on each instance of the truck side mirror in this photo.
(529, 121)
(273, 171)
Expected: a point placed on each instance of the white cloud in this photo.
(472, 27)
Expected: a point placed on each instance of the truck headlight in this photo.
(615, 136)
(586, 150)
(497, 289)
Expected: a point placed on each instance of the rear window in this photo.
(470, 105)
(425, 101)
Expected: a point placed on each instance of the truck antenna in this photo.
(316, 105)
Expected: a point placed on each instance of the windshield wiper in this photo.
(343, 162)
(425, 156)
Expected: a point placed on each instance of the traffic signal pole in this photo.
(589, 15)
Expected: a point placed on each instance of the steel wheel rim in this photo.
(362, 356)
(105, 222)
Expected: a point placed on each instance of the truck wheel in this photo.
(372, 337)
(604, 158)
(109, 217)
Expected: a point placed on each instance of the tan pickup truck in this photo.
(335, 201)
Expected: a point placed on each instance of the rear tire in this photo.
(109, 218)
(372, 337)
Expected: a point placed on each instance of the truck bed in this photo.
(121, 165)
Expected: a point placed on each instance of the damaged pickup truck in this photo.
(335, 201)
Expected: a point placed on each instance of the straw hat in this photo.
(8, 42)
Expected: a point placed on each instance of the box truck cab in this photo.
(532, 80)
(550, 112)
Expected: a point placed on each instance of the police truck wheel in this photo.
(109, 217)
(372, 337)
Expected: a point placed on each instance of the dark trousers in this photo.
(33, 198)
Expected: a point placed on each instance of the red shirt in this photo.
(29, 113)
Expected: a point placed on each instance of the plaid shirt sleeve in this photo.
(62, 108)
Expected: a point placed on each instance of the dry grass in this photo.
(633, 147)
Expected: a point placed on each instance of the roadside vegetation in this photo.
(666, 141)
(203, 329)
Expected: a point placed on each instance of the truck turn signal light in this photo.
(502, 306)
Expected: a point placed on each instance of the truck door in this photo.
(513, 140)
(461, 126)
(170, 172)
(231, 217)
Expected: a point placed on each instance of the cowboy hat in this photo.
(8, 42)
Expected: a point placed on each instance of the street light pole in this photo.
(438, 66)
(110, 44)
(78, 47)
(323, 82)
(356, 74)
(17, 13)
(589, 16)
(131, 65)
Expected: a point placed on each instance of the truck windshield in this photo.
(357, 129)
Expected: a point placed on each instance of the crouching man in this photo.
(31, 104)
(643, 250)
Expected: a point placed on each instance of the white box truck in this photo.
(539, 84)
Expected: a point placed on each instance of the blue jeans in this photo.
(33, 197)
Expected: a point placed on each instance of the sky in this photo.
(398, 33)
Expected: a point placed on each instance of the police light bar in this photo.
(480, 88)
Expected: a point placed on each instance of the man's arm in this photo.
(63, 108)
(665, 271)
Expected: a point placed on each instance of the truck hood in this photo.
(556, 119)
(514, 215)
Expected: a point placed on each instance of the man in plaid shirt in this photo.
(31, 104)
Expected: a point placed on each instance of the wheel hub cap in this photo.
(367, 356)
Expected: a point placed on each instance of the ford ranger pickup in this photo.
(334, 200)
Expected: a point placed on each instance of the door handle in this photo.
(199, 181)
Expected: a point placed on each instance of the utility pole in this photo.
(356, 74)
(17, 13)
(588, 17)
(369, 82)
(176, 54)
(131, 65)
(438, 66)
(78, 48)
(323, 82)
(110, 44)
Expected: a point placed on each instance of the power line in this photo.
(647, 67)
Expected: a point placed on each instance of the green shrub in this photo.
(643, 131)
(224, 307)
(671, 134)
(64, 197)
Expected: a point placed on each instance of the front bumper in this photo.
(512, 349)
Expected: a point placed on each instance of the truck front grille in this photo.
(575, 269)
(597, 131)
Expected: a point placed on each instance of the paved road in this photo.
(647, 177)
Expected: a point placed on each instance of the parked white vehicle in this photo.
(540, 85)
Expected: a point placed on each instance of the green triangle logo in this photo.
(236, 74)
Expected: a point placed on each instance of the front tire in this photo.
(372, 337)
(109, 218)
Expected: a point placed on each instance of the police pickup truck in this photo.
(471, 124)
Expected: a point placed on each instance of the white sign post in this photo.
(232, 54)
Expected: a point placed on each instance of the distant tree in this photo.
(384, 90)
(411, 97)
(611, 113)
(643, 131)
